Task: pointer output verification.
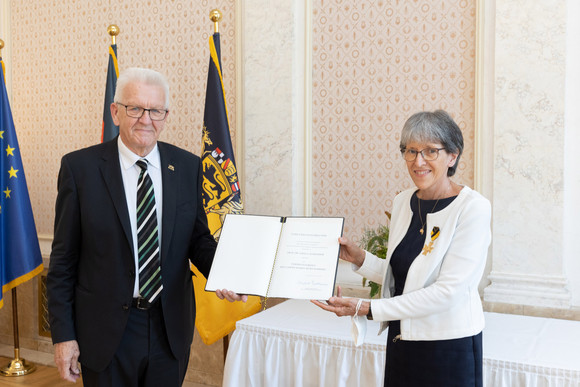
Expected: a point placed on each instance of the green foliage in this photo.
(375, 241)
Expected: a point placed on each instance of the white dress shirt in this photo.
(130, 173)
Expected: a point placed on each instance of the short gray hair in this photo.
(141, 75)
(437, 126)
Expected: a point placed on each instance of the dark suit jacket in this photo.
(92, 270)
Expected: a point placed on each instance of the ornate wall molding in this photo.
(484, 108)
(484, 98)
(529, 209)
(528, 289)
(571, 234)
(305, 206)
(239, 146)
(6, 36)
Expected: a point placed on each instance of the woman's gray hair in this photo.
(141, 75)
(437, 126)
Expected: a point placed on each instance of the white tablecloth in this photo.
(530, 351)
(298, 344)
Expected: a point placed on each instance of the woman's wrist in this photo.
(361, 258)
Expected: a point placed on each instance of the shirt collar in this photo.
(128, 158)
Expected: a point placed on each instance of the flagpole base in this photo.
(17, 367)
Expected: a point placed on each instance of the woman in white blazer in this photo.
(439, 236)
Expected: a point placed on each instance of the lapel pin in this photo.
(435, 233)
(171, 167)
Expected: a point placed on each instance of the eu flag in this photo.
(221, 195)
(20, 258)
(110, 130)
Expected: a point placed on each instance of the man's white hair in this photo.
(141, 75)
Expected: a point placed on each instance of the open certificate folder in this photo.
(288, 257)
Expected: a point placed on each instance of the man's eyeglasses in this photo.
(428, 154)
(137, 112)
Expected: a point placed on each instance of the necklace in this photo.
(421, 217)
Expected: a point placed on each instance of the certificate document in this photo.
(269, 256)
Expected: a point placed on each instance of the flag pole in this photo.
(18, 366)
(215, 16)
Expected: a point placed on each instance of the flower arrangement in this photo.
(375, 241)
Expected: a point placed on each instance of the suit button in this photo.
(125, 307)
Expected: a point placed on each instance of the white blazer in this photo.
(440, 299)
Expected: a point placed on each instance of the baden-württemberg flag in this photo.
(20, 258)
(221, 195)
(110, 130)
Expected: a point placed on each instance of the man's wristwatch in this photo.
(370, 313)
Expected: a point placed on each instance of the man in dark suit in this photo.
(129, 220)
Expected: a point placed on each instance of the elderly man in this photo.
(129, 220)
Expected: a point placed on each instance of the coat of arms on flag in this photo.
(221, 190)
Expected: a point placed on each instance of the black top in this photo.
(412, 243)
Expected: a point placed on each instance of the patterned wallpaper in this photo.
(375, 63)
(59, 64)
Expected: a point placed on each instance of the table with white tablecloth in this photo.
(297, 344)
(528, 351)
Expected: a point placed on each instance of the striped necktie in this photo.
(150, 285)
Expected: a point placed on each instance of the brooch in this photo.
(434, 235)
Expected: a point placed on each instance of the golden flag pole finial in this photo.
(215, 16)
(3, 71)
(113, 30)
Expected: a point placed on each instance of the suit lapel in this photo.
(170, 186)
(111, 171)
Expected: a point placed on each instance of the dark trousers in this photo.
(143, 358)
(441, 363)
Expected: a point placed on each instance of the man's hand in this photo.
(66, 356)
(230, 296)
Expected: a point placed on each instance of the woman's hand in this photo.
(351, 252)
(343, 306)
(230, 296)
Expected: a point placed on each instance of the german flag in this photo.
(110, 130)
